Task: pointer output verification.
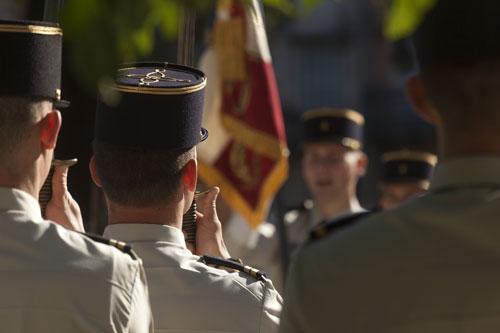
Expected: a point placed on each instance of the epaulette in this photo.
(209, 259)
(122, 246)
(328, 227)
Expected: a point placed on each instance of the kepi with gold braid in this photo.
(155, 106)
(342, 126)
(405, 166)
(30, 61)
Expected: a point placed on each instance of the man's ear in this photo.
(93, 172)
(362, 164)
(49, 128)
(419, 99)
(190, 175)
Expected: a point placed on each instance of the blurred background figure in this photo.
(332, 165)
(405, 174)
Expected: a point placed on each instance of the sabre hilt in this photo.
(46, 191)
(189, 219)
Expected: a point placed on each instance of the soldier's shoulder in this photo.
(235, 264)
(293, 213)
(335, 225)
(245, 282)
(121, 246)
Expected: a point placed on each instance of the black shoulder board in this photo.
(122, 246)
(213, 260)
(328, 227)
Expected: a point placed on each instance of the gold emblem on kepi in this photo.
(58, 94)
(324, 126)
(403, 169)
(154, 77)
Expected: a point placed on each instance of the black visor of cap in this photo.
(160, 106)
(31, 60)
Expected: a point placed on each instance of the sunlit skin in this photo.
(395, 194)
(331, 172)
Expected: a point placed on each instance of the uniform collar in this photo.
(14, 199)
(467, 171)
(144, 232)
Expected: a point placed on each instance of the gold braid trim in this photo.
(230, 193)
(31, 29)
(409, 155)
(261, 142)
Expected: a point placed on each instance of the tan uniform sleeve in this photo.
(141, 317)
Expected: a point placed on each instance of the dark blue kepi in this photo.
(30, 60)
(153, 105)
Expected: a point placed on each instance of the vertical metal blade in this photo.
(185, 44)
(52, 9)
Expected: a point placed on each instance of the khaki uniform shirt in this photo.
(56, 280)
(189, 296)
(431, 265)
(261, 248)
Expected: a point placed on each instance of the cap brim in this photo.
(60, 103)
(203, 134)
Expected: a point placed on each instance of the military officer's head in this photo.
(405, 174)
(147, 126)
(30, 70)
(333, 160)
(459, 56)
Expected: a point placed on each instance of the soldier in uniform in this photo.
(405, 174)
(52, 279)
(432, 264)
(145, 162)
(332, 165)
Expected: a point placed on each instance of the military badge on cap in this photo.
(342, 126)
(160, 107)
(31, 60)
(406, 166)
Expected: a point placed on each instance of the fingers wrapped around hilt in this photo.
(189, 219)
(46, 191)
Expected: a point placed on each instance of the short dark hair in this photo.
(18, 116)
(140, 177)
(460, 61)
(465, 95)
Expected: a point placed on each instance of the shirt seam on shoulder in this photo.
(264, 295)
(131, 295)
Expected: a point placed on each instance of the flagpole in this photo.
(185, 43)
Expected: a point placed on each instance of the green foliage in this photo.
(285, 6)
(102, 33)
(404, 16)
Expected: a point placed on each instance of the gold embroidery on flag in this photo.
(257, 140)
(254, 215)
(248, 173)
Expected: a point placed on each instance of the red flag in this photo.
(246, 154)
